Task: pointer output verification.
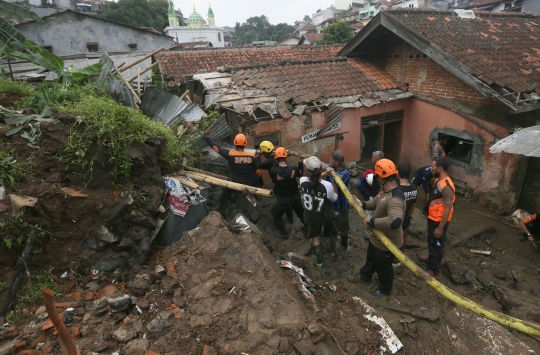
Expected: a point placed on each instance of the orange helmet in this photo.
(281, 153)
(240, 140)
(384, 168)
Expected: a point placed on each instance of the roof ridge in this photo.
(263, 48)
(451, 11)
(232, 69)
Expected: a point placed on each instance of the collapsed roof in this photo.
(287, 88)
(496, 54)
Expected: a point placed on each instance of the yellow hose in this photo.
(507, 321)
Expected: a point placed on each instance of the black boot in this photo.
(344, 243)
(319, 255)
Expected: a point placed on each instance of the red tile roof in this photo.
(500, 49)
(312, 37)
(176, 64)
(309, 81)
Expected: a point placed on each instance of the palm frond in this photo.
(8, 9)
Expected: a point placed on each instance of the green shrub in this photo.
(9, 169)
(115, 127)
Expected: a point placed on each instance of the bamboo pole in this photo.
(228, 184)
(186, 182)
(151, 54)
(204, 172)
(143, 71)
(65, 337)
(137, 99)
(184, 94)
(498, 220)
(507, 321)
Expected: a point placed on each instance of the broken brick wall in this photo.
(493, 179)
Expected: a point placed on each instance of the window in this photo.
(92, 46)
(457, 148)
(219, 36)
(132, 46)
(48, 48)
(273, 137)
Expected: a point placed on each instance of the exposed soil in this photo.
(10, 99)
(228, 295)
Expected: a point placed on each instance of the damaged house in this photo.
(475, 79)
(409, 77)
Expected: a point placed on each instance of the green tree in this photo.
(139, 13)
(307, 18)
(259, 28)
(9, 35)
(338, 32)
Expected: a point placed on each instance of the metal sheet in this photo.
(162, 106)
(525, 141)
(192, 113)
(121, 93)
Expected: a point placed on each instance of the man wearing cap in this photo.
(389, 207)
(341, 205)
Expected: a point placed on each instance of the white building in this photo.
(323, 15)
(196, 29)
(343, 4)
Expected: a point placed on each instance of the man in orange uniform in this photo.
(243, 165)
(439, 210)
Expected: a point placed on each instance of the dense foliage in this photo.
(338, 32)
(258, 28)
(115, 127)
(139, 13)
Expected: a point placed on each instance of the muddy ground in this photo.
(228, 295)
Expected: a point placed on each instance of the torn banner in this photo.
(181, 196)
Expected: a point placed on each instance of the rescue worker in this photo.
(410, 191)
(368, 184)
(389, 207)
(244, 167)
(422, 176)
(437, 148)
(341, 205)
(266, 149)
(318, 196)
(439, 210)
(529, 226)
(286, 191)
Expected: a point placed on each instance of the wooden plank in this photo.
(142, 59)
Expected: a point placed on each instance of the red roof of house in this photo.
(309, 81)
(176, 64)
(313, 37)
(500, 49)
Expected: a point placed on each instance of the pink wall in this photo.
(500, 175)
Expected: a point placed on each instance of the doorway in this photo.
(381, 132)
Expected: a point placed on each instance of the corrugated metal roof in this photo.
(525, 141)
(126, 59)
(169, 108)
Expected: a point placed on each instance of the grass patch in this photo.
(19, 87)
(115, 127)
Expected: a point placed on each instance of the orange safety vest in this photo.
(436, 202)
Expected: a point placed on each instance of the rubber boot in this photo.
(319, 255)
(344, 243)
(333, 241)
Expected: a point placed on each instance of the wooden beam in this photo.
(142, 59)
(143, 71)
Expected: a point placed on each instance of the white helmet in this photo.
(369, 179)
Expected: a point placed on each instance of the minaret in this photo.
(211, 20)
(173, 20)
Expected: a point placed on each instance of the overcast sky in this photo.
(228, 12)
